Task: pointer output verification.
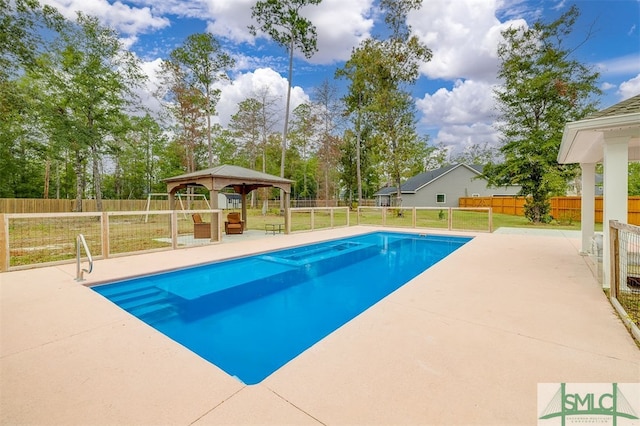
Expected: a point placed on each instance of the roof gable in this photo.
(419, 181)
(424, 179)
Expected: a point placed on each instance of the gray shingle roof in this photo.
(629, 106)
(228, 171)
(413, 184)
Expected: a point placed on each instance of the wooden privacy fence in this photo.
(35, 205)
(39, 205)
(562, 208)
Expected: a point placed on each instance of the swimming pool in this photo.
(251, 315)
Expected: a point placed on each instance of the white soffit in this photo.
(583, 141)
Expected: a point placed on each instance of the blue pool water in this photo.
(250, 316)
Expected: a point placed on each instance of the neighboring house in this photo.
(574, 188)
(442, 188)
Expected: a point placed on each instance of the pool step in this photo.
(120, 290)
(146, 302)
(161, 313)
(154, 313)
(141, 302)
(130, 297)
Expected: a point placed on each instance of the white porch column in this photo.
(588, 205)
(615, 183)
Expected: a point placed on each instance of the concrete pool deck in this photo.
(466, 342)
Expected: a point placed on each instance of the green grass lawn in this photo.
(425, 218)
(506, 220)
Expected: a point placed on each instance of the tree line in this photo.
(75, 126)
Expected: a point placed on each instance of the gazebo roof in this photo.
(228, 171)
(216, 178)
(583, 141)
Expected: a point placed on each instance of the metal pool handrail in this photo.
(80, 272)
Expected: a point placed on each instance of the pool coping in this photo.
(465, 342)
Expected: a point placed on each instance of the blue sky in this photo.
(454, 94)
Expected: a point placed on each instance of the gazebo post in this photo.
(287, 225)
(243, 201)
(172, 200)
(213, 202)
(173, 223)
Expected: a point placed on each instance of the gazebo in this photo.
(610, 137)
(242, 180)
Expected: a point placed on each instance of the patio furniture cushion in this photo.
(200, 229)
(233, 224)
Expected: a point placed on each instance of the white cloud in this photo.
(607, 86)
(151, 69)
(620, 66)
(340, 25)
(180, 8)
(468, 102)
(122, 17)
(459, 137)
(231, 18)
(248, 85)
(463, 114)
(251, 63)
(463, 36)
(147, 93)
(561, 5)
(127, 42)
(232, 93)
(630, 88)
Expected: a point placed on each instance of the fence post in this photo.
(104, 225)
(313, 218)
(614, 246)
(413, 216)
(174, 229)
(490, 219)
(450, 219)
(4, 243)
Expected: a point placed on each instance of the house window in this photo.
(441, 198)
